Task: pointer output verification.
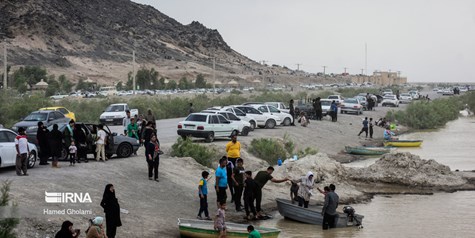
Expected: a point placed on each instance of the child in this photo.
(73, 150)
(294, 189)
(253, 233)
(203, 194)
(219, 223)
(250, 190)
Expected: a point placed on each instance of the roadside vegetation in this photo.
(428, 114)
(7, 225)
(202, 154)
(271, 150)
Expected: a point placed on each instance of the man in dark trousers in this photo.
(371, 124)
(250, 190)
(318, 109)
(261, 179)
(238, 179)
(329, 212)
(365, 127)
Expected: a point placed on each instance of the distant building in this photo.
(382, 78)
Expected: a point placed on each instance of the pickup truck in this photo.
(115, 113)
(338, 99)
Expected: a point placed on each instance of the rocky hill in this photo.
(95, 39)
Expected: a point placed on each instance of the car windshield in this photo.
(406, 94)
(388, 97)
(115, 108)
(351, 101)
(196, 117)
(332, 97)
(36, 117)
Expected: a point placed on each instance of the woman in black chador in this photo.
(112, 209)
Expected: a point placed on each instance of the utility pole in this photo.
(214, 74)
(362, 71)
(365, 57)
(5, 74)
(345, 69)
(324, 69)
(133, 73)
(298, 66)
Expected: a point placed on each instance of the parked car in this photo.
(67, 113)
(115, 113)
(279, 105)
(285, 118)
(390, 100)
(414, 94)
(326, 104)
(363, 102)
(122, 146)
(263, 120)
(405, 98)
(30, 123)
(239, 113)
(243, 126)
(206, 125)
(338, 99)
(351, 105)
(307, 108)
(8, 150)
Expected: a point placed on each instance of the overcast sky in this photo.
(428, 41)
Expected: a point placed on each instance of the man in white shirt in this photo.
(22, 152)
(100, 144)
(126, 122)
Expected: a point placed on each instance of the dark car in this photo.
(30, 123)
(120, 145)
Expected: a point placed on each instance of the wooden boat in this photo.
(194, 228)
(312, 214)
(366, 150)
(403, 143)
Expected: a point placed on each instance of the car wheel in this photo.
(109, 156)
(270, 124)
(253, 125)
(124, 150)
(210, 137)
(245, 131)
(287, 121)
(342, 112)
(32, 160)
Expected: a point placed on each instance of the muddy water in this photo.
(438, 215)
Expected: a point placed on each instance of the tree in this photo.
(119, 86)
(171, 84)
(147, 78)
(7, 225)
(200, 81)
(183, 84)
(65, 84)
(161, 83)
(53, 87)
(29, 75)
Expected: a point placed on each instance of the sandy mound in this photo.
(326, 171)
(408, 169)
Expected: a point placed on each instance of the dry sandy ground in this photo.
(154, 207)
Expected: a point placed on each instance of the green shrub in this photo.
(269, 150)
(7, 225)
(289, 144)
(202, 154)
(307, 151)
(13, 107)
(428, 114)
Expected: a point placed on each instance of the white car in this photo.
(405, 98)
(243, 126)
(279, 105)
(8, 150)
(206, 125)
(238, 112)
(115, 113)
(285, 118)
(414, 95)
(262, 120)
(351, 105)
(337, 98)
(390, 100)
(326, 104)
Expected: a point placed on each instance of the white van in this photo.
(108, 91)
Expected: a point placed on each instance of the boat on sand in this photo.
(366, 150)
(403, 143)
(194, 228)
(312, 214)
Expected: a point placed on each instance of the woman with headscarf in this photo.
(112, 209)
(67, 231)
(55, 145)
(306, 185)
(96, 230)
(42, 139)
(80, 139)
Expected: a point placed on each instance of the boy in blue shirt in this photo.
(203, 194)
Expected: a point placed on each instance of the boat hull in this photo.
(363, 150)
(403, 143)
(205, 229)
(312, 214)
